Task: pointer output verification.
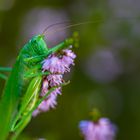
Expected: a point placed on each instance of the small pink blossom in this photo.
(57, 91)
(54, 79)
(35, 113)
(69, 53)
(53, 64)
(101, 130)
(46, 105)
(68, 59)
(61, 65)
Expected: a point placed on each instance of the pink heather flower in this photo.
(54, 79)
(68, 59)
(50, 101)
(51, 81)
(57, 91)
(35, 113)
(101, 130)
(53, 64)
(46, 105)
(57, 65)
(69, 53)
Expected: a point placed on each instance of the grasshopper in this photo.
(23, 86)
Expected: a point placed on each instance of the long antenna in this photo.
(52, 25)
(76, 24)
(69, 26)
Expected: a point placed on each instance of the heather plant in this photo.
(98, 128)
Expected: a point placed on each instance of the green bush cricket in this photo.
(23, 85)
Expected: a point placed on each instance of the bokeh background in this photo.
(107, 70)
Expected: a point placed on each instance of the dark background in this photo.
(107, 71)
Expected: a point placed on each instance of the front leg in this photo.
(63, 45)
(35, 71)
(31, 75)
(74, 41)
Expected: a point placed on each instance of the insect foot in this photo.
(57, 64)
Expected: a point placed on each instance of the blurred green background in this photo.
(107, 70)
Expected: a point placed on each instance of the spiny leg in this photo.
(35, 71)
(30, 96)
(24, 120)
(62, 45)
(74, 41)
(35, 58)
(31, 75)
(29, 114)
